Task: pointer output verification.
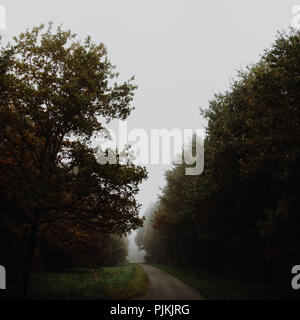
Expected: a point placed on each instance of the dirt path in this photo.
(166, 287)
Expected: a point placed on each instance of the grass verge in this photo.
(121, 282)
(216, 287)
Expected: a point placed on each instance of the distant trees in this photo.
(59, 250)
(148, 239)
(56, 95)
(242, 214)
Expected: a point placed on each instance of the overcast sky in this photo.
(180, 51)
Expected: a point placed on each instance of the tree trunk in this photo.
(29, 262)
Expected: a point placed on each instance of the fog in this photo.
(181, 52)
(134, 254)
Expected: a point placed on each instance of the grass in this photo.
(214, 287)
(122, 282)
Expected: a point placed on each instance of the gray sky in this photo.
(180, 51)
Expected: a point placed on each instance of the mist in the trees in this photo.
(135, 254)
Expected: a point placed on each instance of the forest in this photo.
(61, 208)
(240, 217)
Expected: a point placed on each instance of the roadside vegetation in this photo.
(240, 217)
(220, 287)
(60, 207)
(121, 282)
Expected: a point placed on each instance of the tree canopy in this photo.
(57, 94)
(242, 214)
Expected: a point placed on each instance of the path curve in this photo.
(163, 286)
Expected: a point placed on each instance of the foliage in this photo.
(56, 95)
(126, 281)
(241, 216)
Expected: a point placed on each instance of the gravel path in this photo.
(163, 286)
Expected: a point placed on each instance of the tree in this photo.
(62, 246)
(59, 94)
(252, 154)
(241, 215)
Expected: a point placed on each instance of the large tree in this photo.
(242, 213)
(59, 93)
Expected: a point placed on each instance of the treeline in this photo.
(59, 248)
(59, 206)
(241, 216)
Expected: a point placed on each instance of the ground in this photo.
(122, 282)
(166, 287)
(221, 287)
(143, 282)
